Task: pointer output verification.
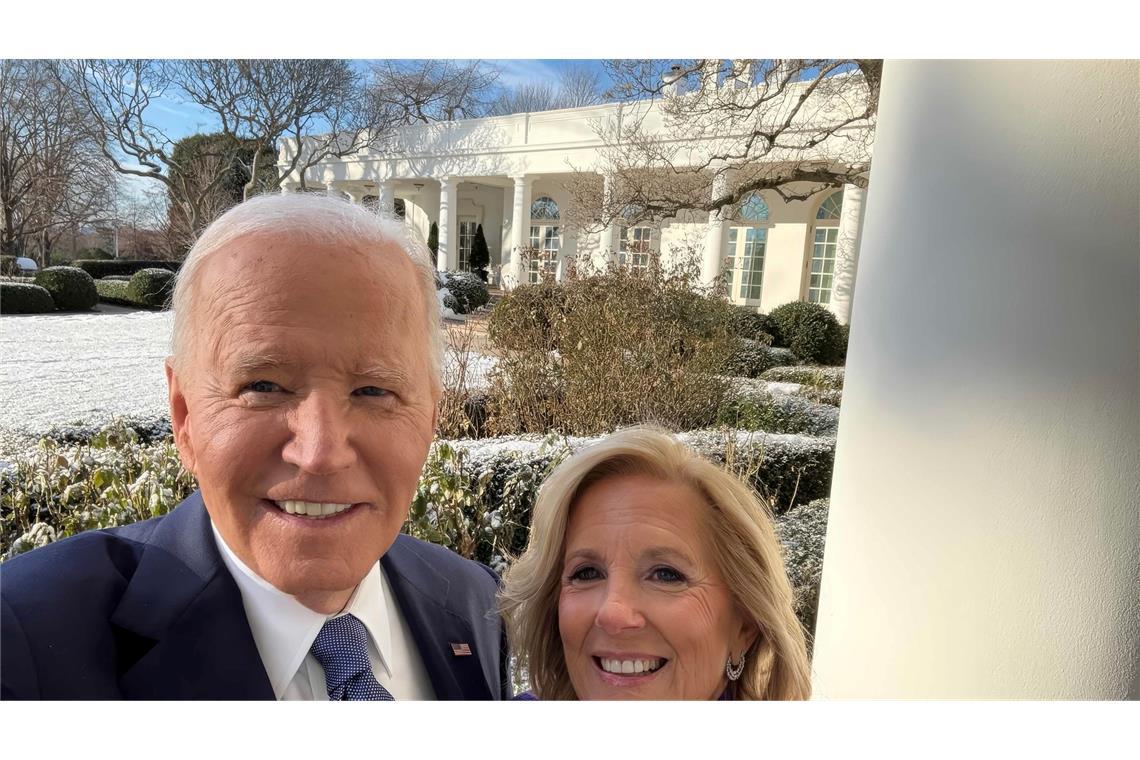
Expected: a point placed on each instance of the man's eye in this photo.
(262, 386)
(667, 575)
(586, 573)
(370, 390)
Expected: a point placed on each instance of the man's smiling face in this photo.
(305, 407)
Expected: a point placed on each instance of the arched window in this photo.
(831, 207)
(822, 275)
(544, 208)
(545, 239)
(753, 209)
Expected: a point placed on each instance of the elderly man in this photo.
(303, 385)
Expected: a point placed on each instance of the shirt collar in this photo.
(284, 629)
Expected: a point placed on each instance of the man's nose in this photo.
(619, 611)
(319, 443)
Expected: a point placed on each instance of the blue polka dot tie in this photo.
(342, 650)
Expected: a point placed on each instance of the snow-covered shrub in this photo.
(151, 287)
(478, 506)
(752, 357)
(448, 306)
(24, 298)
(802, 532)
(470, 291)
(776, 412)
(113, 480)
(811, 331)
(113, 291)
(818, 377)
(71, 288)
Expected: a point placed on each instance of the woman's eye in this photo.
(586, 573)
(667, 575)
(370, 390)
(263, 386)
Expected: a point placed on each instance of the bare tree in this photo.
(525, 98)
(118, 98)
(703, 134)
(53, 177)
(423, 91)
(322, 105)
(579, 86)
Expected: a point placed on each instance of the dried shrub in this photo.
(608, 349)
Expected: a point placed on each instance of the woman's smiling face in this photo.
(644, 612)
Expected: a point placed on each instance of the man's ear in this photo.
(179, 417)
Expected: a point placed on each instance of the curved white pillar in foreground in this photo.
(984, 537)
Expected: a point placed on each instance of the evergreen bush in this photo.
(114, 291)
(100, 269)
(470, 291)
(433, 239)
(71, 288)
(24, 298)
(480, 254)
(810, 331)
(151, 287)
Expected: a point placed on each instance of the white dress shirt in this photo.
(284, 630)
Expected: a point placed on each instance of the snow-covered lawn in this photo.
(59, 369)
(86, 368)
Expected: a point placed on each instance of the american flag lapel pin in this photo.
(460, 649)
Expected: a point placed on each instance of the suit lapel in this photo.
(181, 624)
(421, 593)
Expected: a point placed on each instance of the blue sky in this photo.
(178, 118)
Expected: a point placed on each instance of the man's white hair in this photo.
(309, 217)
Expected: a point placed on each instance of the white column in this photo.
(714, 239)
(609, 243)
(447, 259)
(386, 202)
(984, 533)
(847, 252)
(514, 273)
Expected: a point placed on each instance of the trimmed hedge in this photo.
(751, 325)
(830, 378)
(811, 331)
(151, 287)
(114, 291)
(99, 269)
(752, 358)
(802, 533)
(470, 291)
(24, 298)
(71, 288)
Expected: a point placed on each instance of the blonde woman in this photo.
(652, 574)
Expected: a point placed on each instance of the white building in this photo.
(509, 173)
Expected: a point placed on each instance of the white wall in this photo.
(985, 520)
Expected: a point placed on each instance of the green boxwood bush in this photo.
(113, 291)
(100, 269)
(751, 325)
(802, 532)
(470, 291)
(97, 254)
(810, 331)
(71, 288)
(24, 298)
(151, 287)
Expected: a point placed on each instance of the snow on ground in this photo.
(60, 369)
(86, 368)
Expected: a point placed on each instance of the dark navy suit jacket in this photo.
(149, 611)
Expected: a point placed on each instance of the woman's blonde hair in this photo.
(744, 543)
